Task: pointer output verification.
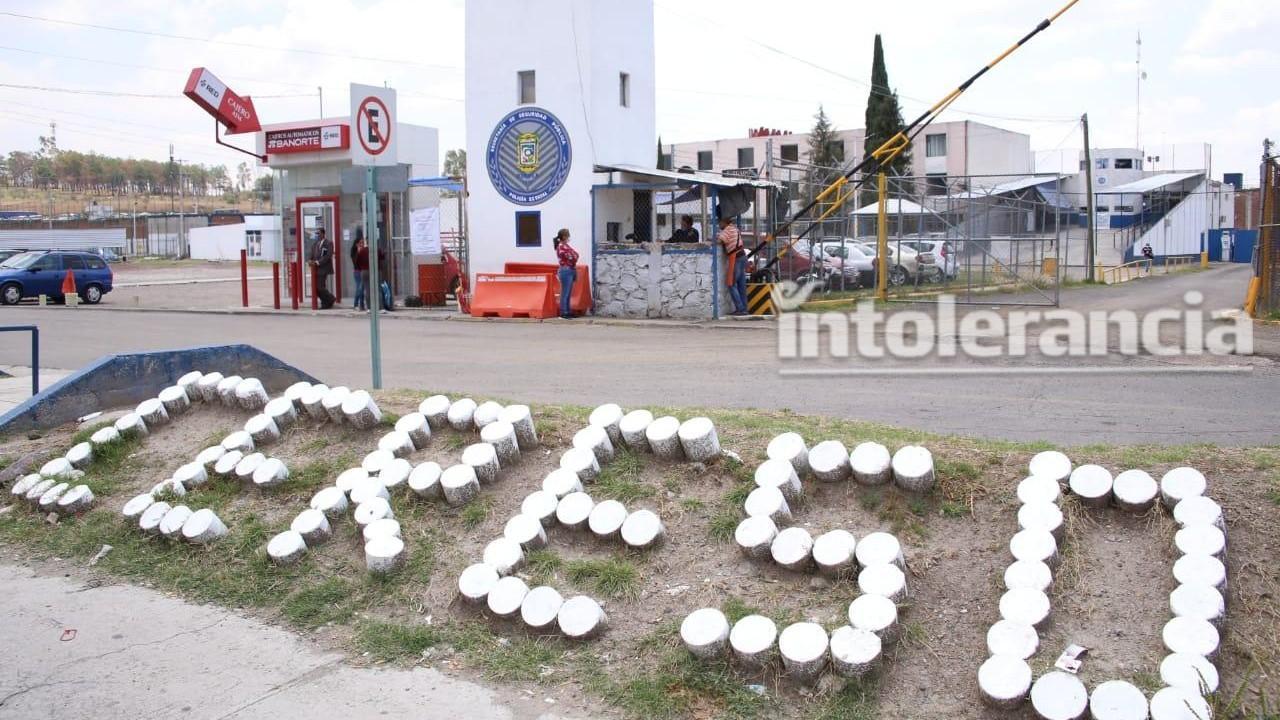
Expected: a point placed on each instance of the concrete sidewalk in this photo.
(16, 387)
(117, 651)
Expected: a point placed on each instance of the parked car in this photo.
(946, 262)
(42, 273)
(792, 265)
(848, 259)
(6, 254)
(905, 264)
(110, 255)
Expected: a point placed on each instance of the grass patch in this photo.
(620, 480)
(329, 601)
(738, 494)
(316, 474)
(857, 700)
(476, 512)
(952, 509)
(517, 659)
(614, 578)
(387, 642)
(722, 526)
(541, 565)
(456, 441)
(682, 686)
(735, 609)
(692, 505)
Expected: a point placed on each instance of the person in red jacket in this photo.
(360, 267)
(568, 271)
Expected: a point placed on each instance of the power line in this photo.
(112, 93)
(150, 68)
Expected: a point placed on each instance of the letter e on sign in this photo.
(373, 121)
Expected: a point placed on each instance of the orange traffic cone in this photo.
(69, 284)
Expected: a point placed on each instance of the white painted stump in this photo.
(131, 425)
(581, 618)
(663, 436)
(1059, 696)
(424, 481)
(829, 461)
(486, 412)
(190, 384)
(348, 479)
(793, 549)
(152, 412)
(1199, 540)
(227, 390)
(374, 462)
(415, 425)
(80, 455)
(521, 419)
(504, 555)
(877, 614)
(250, 394)
(1034, 545)
(396, 442)
(1039, 488)
(705, 633)
(606, 519)
(780, 474)
(361, 410)
(175, 400)
(1025, 606)
(608, 417)
(854, 651)
(395, 474)
(506, 596)
(173, 521)
(1179, 703)
(913, 468)
(885, 580)
(879, 547)
(581, 462)
(282, 412)
(25, 483)
(574, 510)
(540, 607)
(633, 427)
(475, 583)
(436, 410)
(149, 520)
(1004, 681)
(483, 457)
(333, 401)
(226, 465)
(642, 530)
(37, 490)
(1051, 464)
(1198, 601)
(364, 488)
(502, 436)
(1181, 483)
(1135, 491)
(76, 500)
(286, 548)
(595, 440)
(461, 415)
(203, 527)
(134, 508)
(208, 386)
(1012, 639)
(699, 440)
(804, 649)
(1190, 671)
(209, 457)
(1200, 569)
(871, 464)
(833, 552)
(541, 505)
(755, 536)
(55, 468)
(313, 526)
(1092, 484)
(385, 555)
(313, 402)
(49, 499)
(1196, 510)
(753, 640)
(1028, 574)
(263, 430)
(1044, 516)
(248, 465)
(294, 394)
(526, 530)
(105, 436)
(459, 485)
(790, 448)
(238, 440)
(331, 501)
(769, 502)
(170, 486)
(192, 475)
(375, 508)
(561, 482)
(1191, 635)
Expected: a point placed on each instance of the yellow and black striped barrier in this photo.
(760, 298)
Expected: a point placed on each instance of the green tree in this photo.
(455, 163)
(826, 153)
(263, 186)
(883, 120)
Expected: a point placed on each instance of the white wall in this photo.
(1179, 231)
(224, 242)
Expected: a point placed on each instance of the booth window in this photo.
(526, 83)
(624, 89)
(529, 228)
(1124, 163)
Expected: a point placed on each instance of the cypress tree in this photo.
(883, 121)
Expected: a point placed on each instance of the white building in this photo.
(258, 236)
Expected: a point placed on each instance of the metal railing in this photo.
(35, 352)
(1143, 268)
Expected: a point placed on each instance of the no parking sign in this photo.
(373, 118)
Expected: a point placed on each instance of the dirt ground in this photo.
(1111, 593)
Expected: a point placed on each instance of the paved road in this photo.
(679, 365)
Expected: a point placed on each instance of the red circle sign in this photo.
(373, 138)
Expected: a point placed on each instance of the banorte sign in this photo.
(228, 108)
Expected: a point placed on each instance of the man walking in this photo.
(736, 257)
(322, 260)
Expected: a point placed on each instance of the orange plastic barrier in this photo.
(508, 295)
(580, 303)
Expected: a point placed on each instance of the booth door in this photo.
(312, 215)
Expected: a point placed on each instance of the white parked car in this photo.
(905, 263)
(847, 259)
(946, 261)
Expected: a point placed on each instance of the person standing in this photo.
(736, 257)
(384, 279)
(686, 233)
(322, 260)
(568, 271)
(360, 269)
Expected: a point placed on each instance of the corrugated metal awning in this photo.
(1148, 184)
(1007, 187)
(895, 206)
(695, 178)
(46, 239)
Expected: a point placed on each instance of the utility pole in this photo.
(320, 90)
(1137, 98)
(181, 211)
(1090, 250)
(375, 283)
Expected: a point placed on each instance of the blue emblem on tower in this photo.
(528, 156)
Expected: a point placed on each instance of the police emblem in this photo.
(527, 145)
(528, 156)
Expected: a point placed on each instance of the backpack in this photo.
(387, 301)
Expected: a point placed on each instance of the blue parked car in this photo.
(42, 272)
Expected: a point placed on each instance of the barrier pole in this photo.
(315, 286)
(244, 278)
(35, 360)
(882, 239)
(375, 292)
(295, 283)
(275, 283)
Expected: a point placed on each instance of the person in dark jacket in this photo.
(322, 261)
(686, 233)
(360, 269)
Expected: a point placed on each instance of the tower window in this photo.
(624, 89)
(526, 87)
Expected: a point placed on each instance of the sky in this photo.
(722, 66)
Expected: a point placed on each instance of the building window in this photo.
(624, 89)
(664, 161)
(746, 157)
(1101, 164)
(935, 145)
(704, 159)
(1101, 209)
(1124, 209)
(253, 243)
(937, 184)
(1124, 163)
(528, 228)
(1084, 165)
(790, 153)
(526, 85)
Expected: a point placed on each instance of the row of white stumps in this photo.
(563, 502)
(806, 649)
(1198, 604)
